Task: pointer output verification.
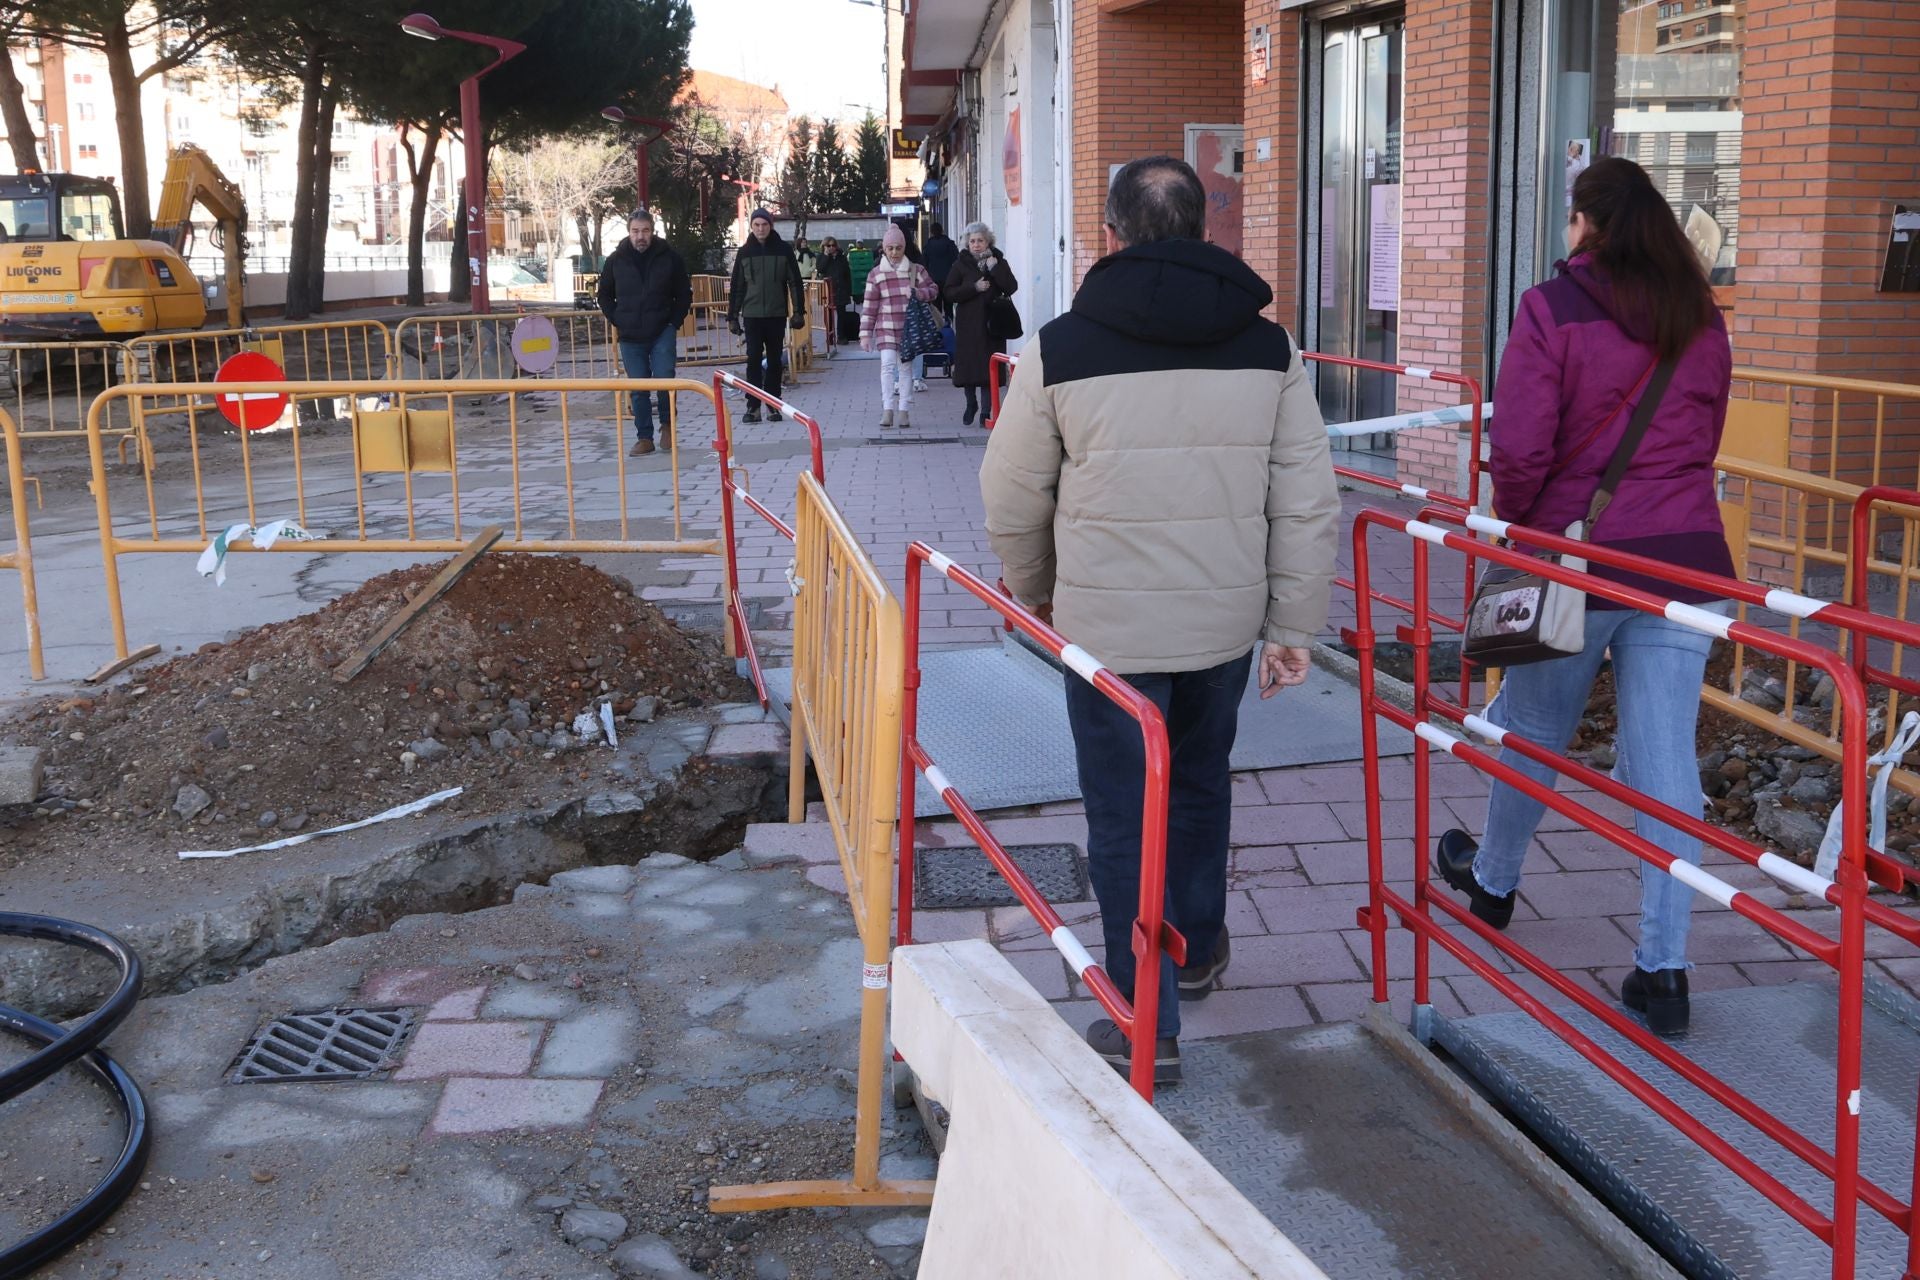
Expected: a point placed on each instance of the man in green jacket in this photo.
(765, 299)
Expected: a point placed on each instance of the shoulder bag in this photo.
(1003, 319)
(920, 333)
(1519, 617)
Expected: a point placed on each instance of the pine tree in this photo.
(872, 157)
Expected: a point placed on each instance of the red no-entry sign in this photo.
(251, 410)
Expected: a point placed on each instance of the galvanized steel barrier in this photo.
(846, 717)
(733, 488)
(20, 559)
(1425, 913)
(392, 434)
(1151, 933)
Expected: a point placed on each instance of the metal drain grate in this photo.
(962, 877)
(326, 1044)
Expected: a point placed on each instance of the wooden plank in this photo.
(442, 582)
(118, 665)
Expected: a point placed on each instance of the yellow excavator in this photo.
(68, 272)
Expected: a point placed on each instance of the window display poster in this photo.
(1383, 247)
(1579, 156)
(1010, 157)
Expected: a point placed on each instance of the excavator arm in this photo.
(193, 178)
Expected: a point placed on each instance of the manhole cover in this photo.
(962, 877)
(327, 1044)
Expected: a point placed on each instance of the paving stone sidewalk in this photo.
(587, 1061)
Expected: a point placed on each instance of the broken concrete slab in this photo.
(21, 771)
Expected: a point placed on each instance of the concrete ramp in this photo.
(995, 718)
(1775, 1045)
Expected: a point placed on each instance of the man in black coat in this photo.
(645, 294)
(941, 253)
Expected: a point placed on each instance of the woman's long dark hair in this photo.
(1638, 245)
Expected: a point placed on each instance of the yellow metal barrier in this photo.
(482, 346)
(705, 338)
(20, 559)
(48, 385)
(410, 460)
(846, 716)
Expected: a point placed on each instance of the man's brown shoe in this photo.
(641, 448)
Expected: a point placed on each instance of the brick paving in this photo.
(1299, 867)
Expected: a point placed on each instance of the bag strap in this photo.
(1636, 432)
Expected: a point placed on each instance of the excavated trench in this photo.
(670, 796)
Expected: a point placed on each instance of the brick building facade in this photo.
(1401, 167)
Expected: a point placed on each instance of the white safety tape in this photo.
(1795, 876)
(1415, 491)
(1853, 1103)
(1427, 532)
(1069, 946)
(941, 562)
(1485, 728)
(1706, 882)
(795, 583)
(1488, 525)
(1793, 604)
(1438, 737)
(1692, 615)
(1082, 663)
(1827, 861)
(1415, 371)
(938, 780)
(873, 977)
(1452, 416)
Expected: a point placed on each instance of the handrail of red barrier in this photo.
(732, 487)
(1848, 890)
(995, 363)
(1860, 553)
(1852, 619)
(1151, 932)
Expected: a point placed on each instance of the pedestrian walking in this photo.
(980, 276)
(1625, 336)
(1159, 485)
(764, 300)
(883, 322)
(839, 277)
(941, 252)
(645, 294)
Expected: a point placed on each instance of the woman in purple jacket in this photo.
(1584, 347)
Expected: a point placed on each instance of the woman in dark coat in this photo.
(980, 275)
(833, 268)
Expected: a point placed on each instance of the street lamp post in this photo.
(474, 185)
(661, 128)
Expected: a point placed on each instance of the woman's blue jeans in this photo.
(1657, 669)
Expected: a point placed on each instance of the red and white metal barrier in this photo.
(733, 485)
(1425, 913)
(1151, 934)
(998, 361)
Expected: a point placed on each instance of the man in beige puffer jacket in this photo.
(1158, 484)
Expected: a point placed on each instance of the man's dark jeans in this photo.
(1202, 710)
(650, 360)
(764, 335)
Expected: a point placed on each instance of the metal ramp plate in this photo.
(1364, 1165)
(961, 876)
(995, 718)
(1774, 1044)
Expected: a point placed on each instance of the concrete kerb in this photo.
(1101, 1185)
(1636, 1257)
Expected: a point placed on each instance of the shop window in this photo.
(1629, 81)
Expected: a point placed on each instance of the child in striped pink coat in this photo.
(883, 321)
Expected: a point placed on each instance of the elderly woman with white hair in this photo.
(978, 280)
(883, 322)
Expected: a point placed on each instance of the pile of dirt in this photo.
(244, 742)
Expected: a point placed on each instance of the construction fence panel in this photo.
(583, 345)
(1832, 1211)
(47, 386)
(20, 559)
(423, 465)
(847, 692)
